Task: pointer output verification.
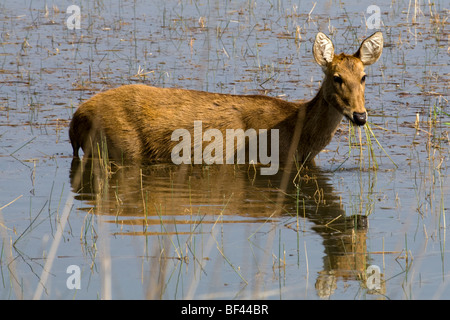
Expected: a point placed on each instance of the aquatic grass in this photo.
(54, 247)
(7, 258)
(356, 141)
(439, 112)
(219, 247)
(369, 129)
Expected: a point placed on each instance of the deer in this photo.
(135, 122)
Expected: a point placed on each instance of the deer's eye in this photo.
(363, 79)
(337, 79)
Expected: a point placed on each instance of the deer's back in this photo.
(138, 120)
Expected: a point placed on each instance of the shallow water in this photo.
(174, 232)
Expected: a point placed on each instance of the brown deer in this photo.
(137, 121)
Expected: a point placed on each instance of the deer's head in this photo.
(345, 79)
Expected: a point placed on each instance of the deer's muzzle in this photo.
(359, 118)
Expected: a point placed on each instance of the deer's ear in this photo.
(323, 50)
(371, 48)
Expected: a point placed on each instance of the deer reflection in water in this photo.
(140, 199)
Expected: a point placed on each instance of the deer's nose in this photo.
(360, 118)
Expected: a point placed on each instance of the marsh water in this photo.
(368, 221)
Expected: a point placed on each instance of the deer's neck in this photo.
(321, 121)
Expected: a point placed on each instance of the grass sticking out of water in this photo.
(356, 141)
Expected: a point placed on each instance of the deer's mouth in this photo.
(358, 118)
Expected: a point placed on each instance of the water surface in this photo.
(207, 232)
